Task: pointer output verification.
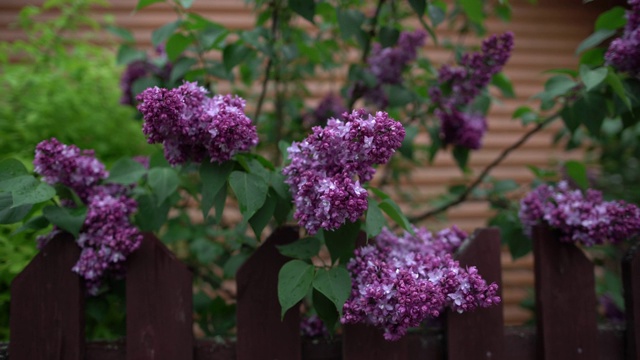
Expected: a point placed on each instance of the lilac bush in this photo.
(624, 52)
(328, 168)
(400, 281)
(458, 86)
(583, 218)
(194, 127)
(107, 235)
(140, 69)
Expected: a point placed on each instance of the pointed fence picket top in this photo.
(479, 334)
(47, 305)
(631, 271)
(159, 304)
(565, 299)
(261, 333)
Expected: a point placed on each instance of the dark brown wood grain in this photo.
(631, 283)
(47, 305)
(364, 342)
(565, 299)
(478, 334)
(261, 333)
(159, 304)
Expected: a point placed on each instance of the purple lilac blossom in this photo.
(328, 167)
(313, 327)
(68, 165)
(139, 69)
(583, 218)
(331, 106)
(107, 236)
(458, 86)
(401, 281)
(624, 52)
(192, 126)
(387, 64)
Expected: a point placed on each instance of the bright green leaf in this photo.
(474, 10)
(294, 282)
(593, 78)
(595, 39)
(11, 168)
(234, 53)
(461, 155)
(502, 82)
(262, 217)
(126, 171)
(176, 45)
(375, 221)
(128, 54)
(122, 33)
(9, 214)
(611, 19)
(144, 3)
(393, 211)
(214, 176)
(577, 171)
(251, 192)
(69, 220)
(342, 241)
(180, 68)
(186, 3)
(160, 35)
(32, 192)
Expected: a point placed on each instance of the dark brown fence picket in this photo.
(47, 305)
(261, 333)
(159, 304)
(565, 299)
(631, 271)
(479, 334)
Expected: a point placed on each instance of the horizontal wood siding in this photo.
(546, 37)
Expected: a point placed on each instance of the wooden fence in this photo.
(47, 312)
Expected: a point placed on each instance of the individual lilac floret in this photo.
(312, 327)
(400, 281)
(68, 165)
(624, 52)
(458, 86)
(584, 218)
(328, 167)
(193, 127)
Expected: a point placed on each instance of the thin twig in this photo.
(267, 69)
(475, 183)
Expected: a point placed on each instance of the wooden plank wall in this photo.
(546, 36)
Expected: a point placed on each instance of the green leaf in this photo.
(525, 114)
(304, 8)
(214, 176)
(122, 33)
(9, 214)
(596, 107)
(503, 11)
(512, 234)
(342, 241)
(164, 182)
(144, 3)
(126, 171)
(32, 192)
(262, 217)
(572, 116)
(350, 22)
(419, 6)
(180, 68)
(11, 168)
(616, 84)
(34, 224)
(233, 54)
(233, 264)
(304, 248)
(393, 211)
(375, 221)
(128, 54)
(577, 171)
(558, 85)
(205, 250)
(326, 309)
(611, 19)
(461, 155)
(150, 217)
(474, 10)
(18, 182)
(335, 284)
(388, 36)
(186, 3)
(436, 14)
(251, 192)
(176, 45)
(504, 186)
(593, 57)
(160, 35)
(502, 82)
(398, 95)
(594, 39)
(69, 220)
(294, 282)
(593, 78)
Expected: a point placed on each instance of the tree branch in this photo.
(267, 69)
(475, 183)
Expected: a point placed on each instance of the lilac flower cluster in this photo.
(107, 236)
(458, 86)
(140, 69)
(579, 217)
(331, 106)
(624, 52)
(192, 126)
(313, 327)
(328, 167)
(387, 64)
(400, 281)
